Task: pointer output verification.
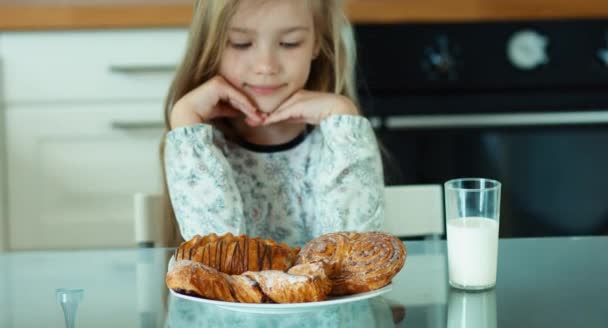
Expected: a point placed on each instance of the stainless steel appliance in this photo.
(522, 102)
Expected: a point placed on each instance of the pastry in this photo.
(236, 254)
(304, 283)
(356, 262)
(197, 279)
(330, 249)
(254, 270)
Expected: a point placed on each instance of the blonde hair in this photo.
(333, 70)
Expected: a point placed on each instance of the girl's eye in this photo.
(244, 45)
(290, 45)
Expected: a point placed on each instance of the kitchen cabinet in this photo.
(73, 171)
(3, 232)
(84, 119)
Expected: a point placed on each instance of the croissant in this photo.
(236, 254)
(198, 279)
(356, 262)
(303, 283)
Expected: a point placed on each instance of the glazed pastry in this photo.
(306, 283)
(236, 254)
(357, 262)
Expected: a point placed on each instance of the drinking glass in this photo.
(472, 208)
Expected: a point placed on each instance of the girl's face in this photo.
(271, 44)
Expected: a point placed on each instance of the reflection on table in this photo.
(375, 312)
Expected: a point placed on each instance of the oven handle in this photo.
(496, 120)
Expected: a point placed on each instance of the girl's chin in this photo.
(268, 109)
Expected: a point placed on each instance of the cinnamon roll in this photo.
(358, 262)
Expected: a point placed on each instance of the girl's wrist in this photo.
(345, 107)
(183, 115)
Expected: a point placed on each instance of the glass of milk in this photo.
(472, 208)
(467, 309)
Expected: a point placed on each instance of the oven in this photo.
(523, 102)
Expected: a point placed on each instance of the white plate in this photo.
(287, 308)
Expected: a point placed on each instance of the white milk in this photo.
(472, 251)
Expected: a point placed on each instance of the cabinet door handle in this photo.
(142, 69)
(143, 125)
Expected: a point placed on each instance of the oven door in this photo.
(553, 165)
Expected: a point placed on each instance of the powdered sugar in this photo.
(271, 278)
(320, 247)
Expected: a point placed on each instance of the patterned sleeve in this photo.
(349, 190)
(201, 185)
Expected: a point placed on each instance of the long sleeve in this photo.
(349, 188)
(201, 185)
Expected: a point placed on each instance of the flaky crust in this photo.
(356, 262)
(330, 249)
(236, 254)
(306, 283)
(302, 283)
(197, 279)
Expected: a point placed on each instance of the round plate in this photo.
(286, 308)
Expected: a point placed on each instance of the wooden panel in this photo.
(68, 14)
(69, 17)
(472, 10)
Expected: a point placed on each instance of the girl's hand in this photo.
(311, 107)
(213, 99)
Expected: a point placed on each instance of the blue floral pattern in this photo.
(332, 181)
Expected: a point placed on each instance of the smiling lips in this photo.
(264, 90)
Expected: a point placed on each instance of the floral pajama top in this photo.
(328, 180)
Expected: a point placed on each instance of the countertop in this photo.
(89, 14)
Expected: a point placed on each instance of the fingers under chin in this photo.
(252, 122)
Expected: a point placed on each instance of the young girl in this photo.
(265, 137)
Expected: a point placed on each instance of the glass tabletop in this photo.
(544, 282)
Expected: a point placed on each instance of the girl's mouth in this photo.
(264, 90)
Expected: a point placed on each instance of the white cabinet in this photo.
(73, 171)
(84, 119)
(3, 220)
(72, 66)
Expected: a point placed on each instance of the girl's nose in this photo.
(266, 63)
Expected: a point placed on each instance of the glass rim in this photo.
(494, 184)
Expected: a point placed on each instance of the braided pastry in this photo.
(356, 262)
(303, 283)
(236, 254)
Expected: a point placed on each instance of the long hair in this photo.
(333, 70)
